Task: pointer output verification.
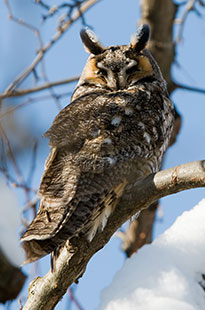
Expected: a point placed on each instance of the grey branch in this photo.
(44, 293)
(23, 92)
(190, 88)
(76, 15)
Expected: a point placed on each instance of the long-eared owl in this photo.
(115, 131)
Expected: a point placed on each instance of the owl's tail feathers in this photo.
(34, 250)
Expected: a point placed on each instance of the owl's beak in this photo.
(116, 82)
(113, 84)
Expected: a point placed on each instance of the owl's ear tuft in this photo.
(91, 42)
(140, 38)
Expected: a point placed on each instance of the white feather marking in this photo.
(128, 111)
(105, 216)
(141, 125)
(116, 120)
(147, 137)
(99, 223)
(111, 160)
(138, 150)
(50, 203)
(107, 141)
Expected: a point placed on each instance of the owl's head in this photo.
(118, 67)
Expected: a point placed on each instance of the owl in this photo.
(114, 132)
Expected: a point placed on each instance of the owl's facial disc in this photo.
(117, 67)
(116, 70)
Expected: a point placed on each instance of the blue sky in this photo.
(114, 22)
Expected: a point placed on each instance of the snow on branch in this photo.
(45, 292)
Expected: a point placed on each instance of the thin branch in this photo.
(41, 3)
(30, 27)
(23, 92)
(23, 23)
(45, 292)
(189, 88)
(32, 203)
(74, 300)
(75, 16)
(189, 7)
(201, 3)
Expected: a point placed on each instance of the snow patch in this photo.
(166, 273)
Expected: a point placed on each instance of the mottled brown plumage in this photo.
(115, 130)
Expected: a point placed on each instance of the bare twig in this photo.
(30, 27)
(73, 299)
(75, 16)
(201, 3)
(190, 6)
(23, 92)
(23, 23)
(31, 203)
(20, 304)
(44, 293)
(44, 5)
(190, 88)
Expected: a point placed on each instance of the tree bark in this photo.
(160, 15)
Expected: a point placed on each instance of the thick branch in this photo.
(44, 293)
(160, 14)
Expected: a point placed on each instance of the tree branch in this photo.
(190, 88)
(76, 15)
(45, 292)
(160, 15)
(23, 92)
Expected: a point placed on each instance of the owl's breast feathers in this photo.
(99, 143)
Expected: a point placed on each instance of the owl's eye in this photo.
(133, 69)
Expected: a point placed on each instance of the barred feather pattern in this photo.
(115, 131)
